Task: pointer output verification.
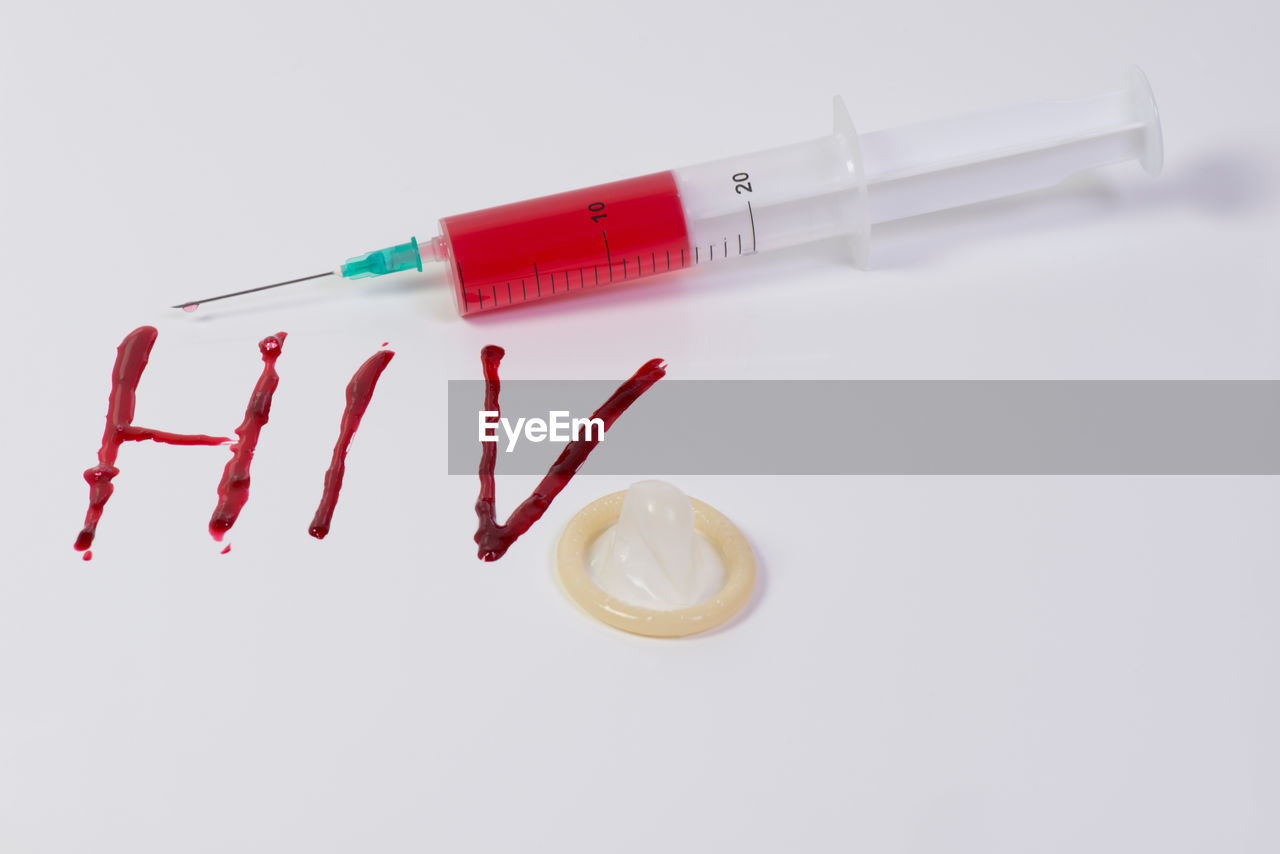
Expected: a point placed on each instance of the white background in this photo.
(932, 664)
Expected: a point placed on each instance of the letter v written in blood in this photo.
(494, 539)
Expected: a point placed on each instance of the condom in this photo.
(596, 519)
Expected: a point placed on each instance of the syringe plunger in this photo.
(844, 183)
(951, 162)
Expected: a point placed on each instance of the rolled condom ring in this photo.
(581, 543)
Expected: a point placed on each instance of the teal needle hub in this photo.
(382, 261)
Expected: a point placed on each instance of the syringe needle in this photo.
(195, 303)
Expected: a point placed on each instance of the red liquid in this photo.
(569, 242)
(131, 361)
(225, 550)
(495, 539)
(359, 392)
(233, 489)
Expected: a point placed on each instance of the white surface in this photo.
(932, 664)
(652, 556)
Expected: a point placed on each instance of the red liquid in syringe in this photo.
(574, 241)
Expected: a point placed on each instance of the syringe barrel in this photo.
(612, 233)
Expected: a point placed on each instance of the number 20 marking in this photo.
(741, 183)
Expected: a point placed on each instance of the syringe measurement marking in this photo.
(462, 288)
(607, 254)
(479, 296)
(582, 279)
(753, 228)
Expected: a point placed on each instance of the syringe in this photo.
(839, 184)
